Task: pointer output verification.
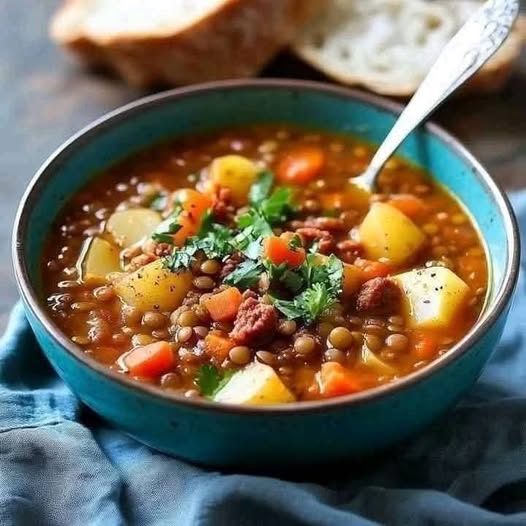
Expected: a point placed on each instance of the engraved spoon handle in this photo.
(477, 40)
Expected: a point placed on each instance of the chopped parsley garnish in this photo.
(166, 236)
(321, 284)
(210, 379)
(309, 305)
(316, 284)
(246, 274)
(260, 190)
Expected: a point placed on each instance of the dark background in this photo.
(45, 97)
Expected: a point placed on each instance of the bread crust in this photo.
(491, 78)
(235, 40)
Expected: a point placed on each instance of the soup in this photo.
(245, 267)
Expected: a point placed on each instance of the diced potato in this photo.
(98, 258)
(153, 287)
(236, 173)
(388, 233)
(432, 296)
(257, 384)
(372, 361)
(130, 226)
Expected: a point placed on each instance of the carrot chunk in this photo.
(409, 204)
(372, 269)
(194, 205)
(218, 346)
(335, 380)
(300, 165)
(224, 305)
(151, 360)
(278, 251)
(425, 346)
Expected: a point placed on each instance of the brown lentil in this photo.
(335, 355)
(201, 331)
(132, 316)
(210, 266)
(184, 334)
(139, 340)
(266, 357)
(324, 329)
(154, 320)
(204, 283)
(341, 338)
(287, 327)
(305, 345)
(170, 381)
(188, 318)
(397, 342)
(240, 355)
(373, 342)
(161, 334)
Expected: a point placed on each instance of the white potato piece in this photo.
(130, 226)
(387, 233)
(370, 359)
(257, 384)
(235, 172)
(153, 287)
(98, 258)
(432, 296)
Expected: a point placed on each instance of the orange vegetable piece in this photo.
(277, 250)
(194, 205)
(425, 345)
(335, 380)
(217, 345)
(224, 305)
(372, 269)
(353, 278)
(409, 204)
(300, 165)
(151, 360)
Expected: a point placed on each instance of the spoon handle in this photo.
(477, 40)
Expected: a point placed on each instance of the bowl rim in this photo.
(115, 117)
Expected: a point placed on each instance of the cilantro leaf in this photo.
(309, 305)
(164, 232)
(246, 275)
(261, 188)
(210, 379)
(278, 207)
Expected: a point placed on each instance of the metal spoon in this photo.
(477, 40)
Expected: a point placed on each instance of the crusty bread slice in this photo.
(388, 46)
(176, 42)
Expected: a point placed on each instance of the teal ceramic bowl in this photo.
(289, 435)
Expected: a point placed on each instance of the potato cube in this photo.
(236, 173)
(372, 361)
(387, 233)
(98, 259)
(130, 226)
(153, 287)
(432, 296)
(257, 384)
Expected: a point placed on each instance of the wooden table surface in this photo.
(45, 97)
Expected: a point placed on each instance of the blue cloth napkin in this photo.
(60, 465)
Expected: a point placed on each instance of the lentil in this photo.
(305, 345)
(240, 355)
(341, 338)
